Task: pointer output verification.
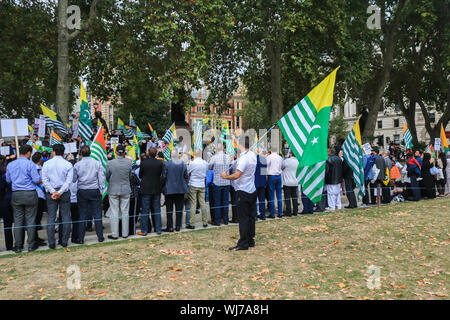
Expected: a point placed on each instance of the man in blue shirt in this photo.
(23, 176)
(368, 176)
(57, 174)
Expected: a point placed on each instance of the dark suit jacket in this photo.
(150, 173)
(175, 178)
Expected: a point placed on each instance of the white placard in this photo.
(4, 151)
(437, 144)
(41, 130)
(114, 139)
(70, 148)
(8, 127)
(38, 143)
(367, 148)
(75, 131)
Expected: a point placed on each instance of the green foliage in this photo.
(28, 54)
(256, 115)
(338, 128)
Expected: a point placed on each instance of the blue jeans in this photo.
(221, 202)
(415, 188)
(275, 186)
(308, 206)
(261, 202)
(90, 204)
(153, 202)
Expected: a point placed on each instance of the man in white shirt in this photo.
(290, 184)
(57, 174)
(274, 163)
(246, 195)
(197, 174)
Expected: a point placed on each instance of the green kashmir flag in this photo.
(305, 128)
(85, 122)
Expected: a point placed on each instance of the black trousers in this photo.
(177, 200)
(211, 201)
(233, 196)
(75, 215)
(373, 199)
(8, 220)
(290, 197)
(133, 216)
(42, 204)
(350, 192)
(246, 210)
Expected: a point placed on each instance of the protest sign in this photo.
(367, 148)
(70, 147)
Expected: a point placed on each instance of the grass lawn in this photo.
(320, 256)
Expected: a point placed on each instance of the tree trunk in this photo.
(274, 55)
(63, 84)
(410, 116)
(390, 40)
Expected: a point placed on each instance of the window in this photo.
(396, 123)
(380, 141)
(229, 124)
(396, 139)
(238, 123)
(432, 117)
(111, 118)
(380, 124)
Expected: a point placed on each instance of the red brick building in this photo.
(198, 112)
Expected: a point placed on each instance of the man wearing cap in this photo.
(118, 175)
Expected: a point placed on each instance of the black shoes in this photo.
(168, 230)
(190, 227)
(237, 248)
(235, 221)
(215, 224)
(52, 246)
(112, 238)
(41, 242)
(205, 226)
(177, 229)
(64, 245)
(78, 241)
(101, 239)
(17, 249)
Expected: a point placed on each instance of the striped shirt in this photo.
(220, 162)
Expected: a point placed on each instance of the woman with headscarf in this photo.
(429, 182)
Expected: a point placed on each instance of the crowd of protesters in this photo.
(70, 188)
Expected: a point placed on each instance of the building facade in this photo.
(389, 126)
(201, 112)
(105, 107)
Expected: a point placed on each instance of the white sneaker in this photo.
(364, 205)
(329, 209)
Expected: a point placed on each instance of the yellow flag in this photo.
(322, 95)
(49, 113)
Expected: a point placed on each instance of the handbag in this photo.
(434, 171)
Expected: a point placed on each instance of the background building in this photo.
(390, 123)
(200, 111)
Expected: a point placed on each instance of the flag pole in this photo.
(256, 143)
